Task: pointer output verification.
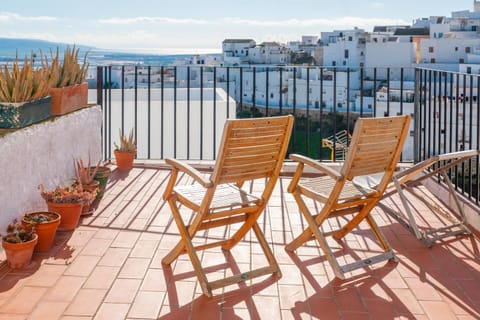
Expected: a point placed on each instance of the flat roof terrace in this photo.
(110, 267)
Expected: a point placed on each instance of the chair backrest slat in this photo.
(375, 147)
(252, 149)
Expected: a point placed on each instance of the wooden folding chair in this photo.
(250, 149)
(375, 148)
(411, 178)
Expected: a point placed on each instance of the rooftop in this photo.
(110, 267)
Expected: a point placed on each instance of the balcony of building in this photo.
(110, 266)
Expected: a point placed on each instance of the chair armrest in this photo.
(316, 165)
(191, 171)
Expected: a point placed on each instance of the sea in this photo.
(11, 48)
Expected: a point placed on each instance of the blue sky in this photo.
(194, 26)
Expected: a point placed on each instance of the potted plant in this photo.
(45, 224)
(125, 153)
(68, 202)
(18, 244)
(68, 88)
(86, 177)
(23, 94)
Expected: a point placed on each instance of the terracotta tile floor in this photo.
(110, 268)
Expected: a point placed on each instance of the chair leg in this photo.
(186, 243)
(266, 250)
(314, 229)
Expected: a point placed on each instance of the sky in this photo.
(195, 26)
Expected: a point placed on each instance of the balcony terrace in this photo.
(110, 266)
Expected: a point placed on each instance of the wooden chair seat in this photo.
(320, 189)
(226, 197)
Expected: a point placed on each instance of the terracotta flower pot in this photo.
(69, 212)
(45, 230)
(124, 159)
(68, 99)
(92, 187)
(19, 254)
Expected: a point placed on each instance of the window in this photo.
(350, 38)
(430, 49)
(432, 60)
(456, 48)
(461, 60)
(469, 70)
(467, 49)
(334, 63)
(369, 106)
(344, 62)
(345, 53)
(271, 95)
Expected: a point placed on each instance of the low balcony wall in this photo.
(44, 153)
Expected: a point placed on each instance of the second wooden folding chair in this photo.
(250, 149)
(375, 149)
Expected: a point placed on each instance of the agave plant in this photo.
(85, 174)
(67, 72)
(22, 82)
(127, 144)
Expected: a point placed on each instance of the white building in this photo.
(269, 53)
(344, 48)
(236, 51)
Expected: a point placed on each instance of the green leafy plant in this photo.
(17, 233)
(68, 71)
(22, 82)
(127, 144)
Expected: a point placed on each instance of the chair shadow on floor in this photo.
(381, 303)
(224, 303)
(437, 267)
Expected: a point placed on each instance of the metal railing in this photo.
(179, 111)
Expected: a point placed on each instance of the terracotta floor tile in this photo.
(24, 301)
(65, 289)
(125, 239)
(82, 266)
(423, 290)
(123, 291)
(4, 316)
(114, 257)
(50, 310)
(146, 305)
(144, 249)
(86, 302)
(134, 268)
(96, 247)
(46, 276)
(154, 280)
(109, 311)
(437, 310)
(101, 277)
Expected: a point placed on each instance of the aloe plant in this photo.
(127, 144)
(67, 72)
(22, 82)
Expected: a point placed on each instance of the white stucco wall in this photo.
(44, 153)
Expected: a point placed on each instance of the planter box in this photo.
(68, 99)
(21, 114)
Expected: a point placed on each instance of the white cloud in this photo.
(326, 23)
(377, 5)
(152, 20)
(11, 17)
